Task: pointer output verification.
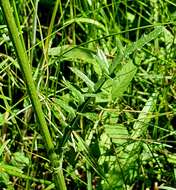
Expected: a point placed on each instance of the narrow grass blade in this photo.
(86, 20)
(90, 160)
(15, 171)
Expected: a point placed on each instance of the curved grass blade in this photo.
(15, 171)
(86, 20)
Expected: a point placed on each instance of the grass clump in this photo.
(104, 75)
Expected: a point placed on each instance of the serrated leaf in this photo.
(123, 79)
(143, 40)
(82, 76)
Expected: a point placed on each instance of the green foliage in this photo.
(105, 77)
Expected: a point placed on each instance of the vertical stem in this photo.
(34, 28)
(89, 178)
(51, 27)
(49, 37)
(27, 73)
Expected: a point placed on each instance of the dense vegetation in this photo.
(105, 75)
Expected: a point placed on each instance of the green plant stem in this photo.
(34, 28)
(27, 73)
(50, 29)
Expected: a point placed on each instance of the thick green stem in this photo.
(27, 73)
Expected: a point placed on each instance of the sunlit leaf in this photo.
(87, 21)
(143, 40)
(123, 79)
(118, 133)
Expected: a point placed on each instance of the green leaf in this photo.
(15, 171)
(90, 115)
(19, 160)
(143, 40)
(1, 120)
(118, 133)
(85, 20)
(76, 93)
(4, 178)
(139, 129)
(68, 52)
(66, 107)
(73, 53)
(116, 63)
(103, 62)
(81, 75)
(82, 147)
(140, 126)
(123, 79)
(166, 187)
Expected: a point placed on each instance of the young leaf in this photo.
(144, 117)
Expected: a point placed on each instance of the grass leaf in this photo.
(87, 21)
